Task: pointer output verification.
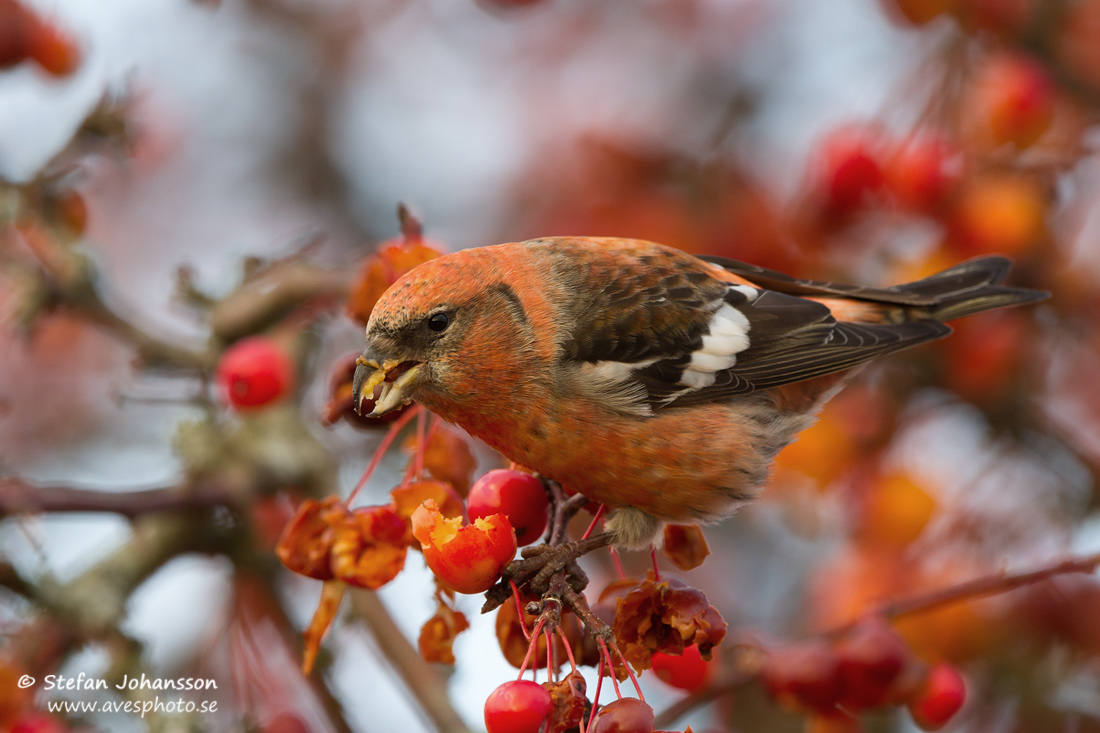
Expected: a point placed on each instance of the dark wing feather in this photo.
(645, 310)
(793, 339)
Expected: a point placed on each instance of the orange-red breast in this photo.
(658, 383)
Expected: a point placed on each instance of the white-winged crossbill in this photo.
(655, 382)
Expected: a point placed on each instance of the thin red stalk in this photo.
(595, 519)
(599, 686)
(618, 563)
(382, 448)
(549, 655)
(532, 647)
(568, 649)
(519, 610)
(421, 442)
(433, 425)
(656, 570)
(611, 666)
(415, 469)
(629, 673)
(410, 472)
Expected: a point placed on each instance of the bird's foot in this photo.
(540, 564)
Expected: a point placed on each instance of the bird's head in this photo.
(431, 335)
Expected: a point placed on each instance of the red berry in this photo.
(805, 675)
(687, 671)
(515, 494)
(254, 372)
(54, 50)
(942, 697)
(285, 723)
(848, 169)
(922, 173)
(466, 559)
(917, 12)
(38, 723)
(625, 715)
(17, 28)
(521, 706)
(870, 658)
(1014, 98)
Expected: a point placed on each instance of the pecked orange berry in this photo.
(466, 559)
(369, 548)
(305, 546)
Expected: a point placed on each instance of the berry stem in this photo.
(381, 451)
(596, 696)
(531, 648)
(618, 563)
(629, 671)
(519, 611)
(605, 654)
(421, 443)
(550, 666)
(595, 519)
(568, 649)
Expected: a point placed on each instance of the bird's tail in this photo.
(968, 288)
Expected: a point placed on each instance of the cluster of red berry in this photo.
(367, 546)
(870, 667)
(984, 208)
(522, 706)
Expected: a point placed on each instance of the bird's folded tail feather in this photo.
(970, 287)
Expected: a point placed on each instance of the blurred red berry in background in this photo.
(255, 372)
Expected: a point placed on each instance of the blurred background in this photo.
(179, 175)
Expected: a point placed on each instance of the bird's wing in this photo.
(655, 329)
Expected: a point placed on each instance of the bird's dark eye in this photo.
(439, 321)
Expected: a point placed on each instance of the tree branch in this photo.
(986, 586)
(422, 680)
(265, 300)
(22, 497)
